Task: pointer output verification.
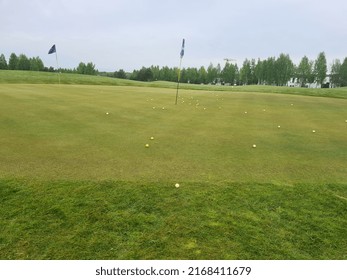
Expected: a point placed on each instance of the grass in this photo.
(71, 137)
(77, 183)
(35, 77)
(32, 77)
(127, 220)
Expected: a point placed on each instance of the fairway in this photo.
(78, 182)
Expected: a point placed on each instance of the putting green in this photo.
(100, 132)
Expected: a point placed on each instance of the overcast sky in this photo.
(129, 34)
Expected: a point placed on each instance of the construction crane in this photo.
(229, 59)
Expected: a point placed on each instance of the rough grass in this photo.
(122, 220)
(77, 183)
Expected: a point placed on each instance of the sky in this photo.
(129, 34)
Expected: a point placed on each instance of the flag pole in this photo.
(178, 80)
(56, 57)
(179, 70)
(53, 49)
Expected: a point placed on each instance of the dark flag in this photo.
(182, 50)
(52, 50)
(179, 70)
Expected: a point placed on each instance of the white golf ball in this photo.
(147, 145)
(177, 185)
(152, 138)
(107, 113)
(279, 126)
(254, 146)
(313, 131)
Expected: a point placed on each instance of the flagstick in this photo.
(56, 57)
(178, 79)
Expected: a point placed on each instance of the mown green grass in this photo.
(77, 183)
(63, 132)
(35, 77)
(32, 77)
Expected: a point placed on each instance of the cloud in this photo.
(130, 34)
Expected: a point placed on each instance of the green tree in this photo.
(90, 69)
(120, 74)
(284, 69)
(259, 72)
(202, 75)
(192, 76)
(218, 70)
(36, 64)
(212, 74)
(253, 78)
(12, 62)
(134, 74)
(23, 62)
(335, 78)
(228, 74)
(145, 74)
(269, 71)
(246, 72)
(184, 76)
(305, 71)
(320, 68)
(156, 72)
(237, 75)
(343, 73)
(168, 74)
(3, 62)
(81, 68)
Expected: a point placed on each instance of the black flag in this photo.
(52, 50)
(182, 50)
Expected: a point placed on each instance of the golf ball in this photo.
(177, 185)
(152, 138)
(147, 145)
(279, 126)
(107, 113)
(313, 131)
(254, 146)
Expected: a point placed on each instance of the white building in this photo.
(296, 83)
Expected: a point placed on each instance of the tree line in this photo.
(271, 71)
(22, 62)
